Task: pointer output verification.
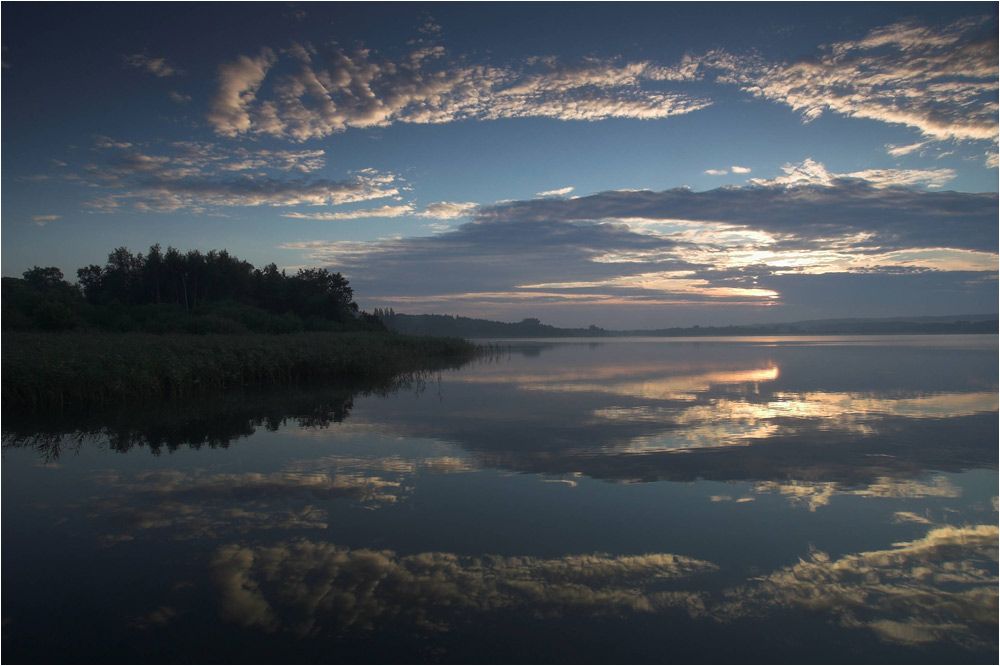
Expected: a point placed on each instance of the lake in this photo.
(824, 499)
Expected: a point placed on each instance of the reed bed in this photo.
(44, 370)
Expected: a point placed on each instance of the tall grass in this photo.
(43, 370)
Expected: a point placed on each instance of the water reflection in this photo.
(777, 412)
(214, 422)
(935, 588)
(308, 587)
(941, 587)
(849, 490)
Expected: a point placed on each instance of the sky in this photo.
(623, 165)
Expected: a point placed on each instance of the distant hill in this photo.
(467, 327)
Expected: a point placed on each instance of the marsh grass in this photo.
(45, 370)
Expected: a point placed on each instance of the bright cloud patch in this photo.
(344, 89)
(732, 246)
(810, 172)
(940, 81)
(448, 210)
(561, 192)
(383, 211)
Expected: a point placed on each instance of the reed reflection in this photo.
(775, 414)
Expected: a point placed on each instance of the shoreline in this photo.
(99, 369)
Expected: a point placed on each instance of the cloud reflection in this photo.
(307, 587)
(196, 505)
(941, 587)
(816, 494)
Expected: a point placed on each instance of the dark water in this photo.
(790, 500)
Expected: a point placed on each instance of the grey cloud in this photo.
(491, 257)
(198, 195)
(602, 250)
(199, 176)
(156, 66)
(895, 217)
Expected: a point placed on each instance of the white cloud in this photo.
(740, 169)
(42, 220)
(238, 85)
(555, 193)
(811, 172)
(716, 172)
(384, 211)
(361, 89)
(898, 151)
(448, 210)
(940, 80)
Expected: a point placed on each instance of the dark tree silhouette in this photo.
(193, 291)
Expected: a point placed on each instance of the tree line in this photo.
(192, 292)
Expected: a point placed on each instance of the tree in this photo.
(43, 278)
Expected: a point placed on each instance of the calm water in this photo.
(781, 500)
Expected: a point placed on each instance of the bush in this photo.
(55, 316)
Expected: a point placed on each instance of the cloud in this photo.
(489, 260)
(740, 169)
(42, 220)
(179, 98)
(813, 495)
(191, 505)
(716, 172)
(362, 89)
(556, 193)
(384, 211)
(808, 207)
(156, 66)
(810, 172)
(942, 587)
(938, 588)
(448, 210)
(238, 84)
(679, 248)
(195, 176)
(940, 80)
(266, 587)
(198, 195)
(898, 151)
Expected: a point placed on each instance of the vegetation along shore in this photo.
(166, 325)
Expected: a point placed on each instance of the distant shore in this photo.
(467, 327)
(49, 370)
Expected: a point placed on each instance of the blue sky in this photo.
(625, 165)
